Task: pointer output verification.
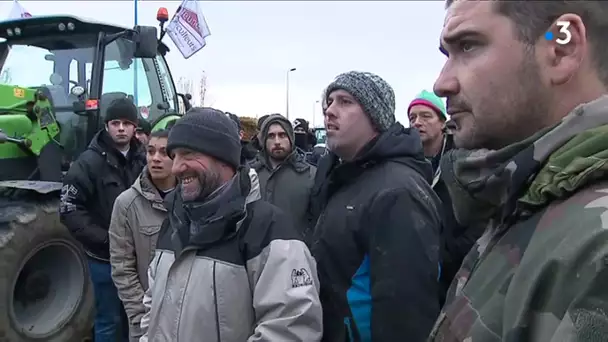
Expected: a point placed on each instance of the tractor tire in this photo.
(45, 290)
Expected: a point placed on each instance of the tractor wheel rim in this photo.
(48, 289)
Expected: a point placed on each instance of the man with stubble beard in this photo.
(286, 178)
(530, 123)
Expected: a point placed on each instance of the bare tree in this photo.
(202, 89)
(5, 76)
(185, 85)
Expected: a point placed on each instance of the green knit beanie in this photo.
(429, 99)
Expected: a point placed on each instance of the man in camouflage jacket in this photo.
(532, 168)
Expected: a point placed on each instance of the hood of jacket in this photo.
(281, 120)
(486, 186)
(144, 186)
(398, 144)
(199, 224)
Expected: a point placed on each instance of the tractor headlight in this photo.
(71, 26)
(9, 32)
(17, 31)
(61, 27)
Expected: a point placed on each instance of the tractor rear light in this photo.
(91, 104)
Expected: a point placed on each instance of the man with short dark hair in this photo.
(111, 163)
(529, 116)
(136, 220)
(377, 236)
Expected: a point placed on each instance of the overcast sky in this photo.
(254, 43)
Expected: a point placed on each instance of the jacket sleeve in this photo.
(78, 189)
(147, 300)
(285, 292)
(403, 236)
(124, 263)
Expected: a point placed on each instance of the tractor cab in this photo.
(58, 74)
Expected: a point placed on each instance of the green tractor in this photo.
(57, 75)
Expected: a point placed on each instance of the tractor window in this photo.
(166, 81)
(119, 77)
(36, 72)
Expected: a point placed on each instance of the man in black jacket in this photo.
(109, 166)
(427, 114)
(377, 239)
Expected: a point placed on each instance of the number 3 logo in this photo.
(563, 28)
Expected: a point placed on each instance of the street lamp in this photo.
(314, 113)
(287, 93)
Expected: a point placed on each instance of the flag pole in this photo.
(135, 74)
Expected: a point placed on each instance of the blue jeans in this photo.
(108, 307)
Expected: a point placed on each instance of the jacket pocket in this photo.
(110, 189)
(148, 236)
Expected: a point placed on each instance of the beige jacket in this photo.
(136, 220)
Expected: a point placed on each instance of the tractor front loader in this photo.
(57, 76)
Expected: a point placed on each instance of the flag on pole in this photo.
(18, 12)
(188, 28)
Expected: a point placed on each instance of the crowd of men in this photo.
(482, 221)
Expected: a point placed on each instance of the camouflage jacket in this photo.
(539, 271)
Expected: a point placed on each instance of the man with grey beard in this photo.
(221, 236)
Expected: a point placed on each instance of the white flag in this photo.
(18, 12)
(188, 28)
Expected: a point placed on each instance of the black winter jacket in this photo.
(376, 241)
(90, 188)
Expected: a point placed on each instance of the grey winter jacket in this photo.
(236, 272)
(288, 186)
(136, 220)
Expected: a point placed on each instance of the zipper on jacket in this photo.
(217, 314)
(349, 329)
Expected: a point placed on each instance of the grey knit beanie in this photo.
(208, 131)
(278, 119)
(373, 93)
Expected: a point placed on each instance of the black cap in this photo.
(122, 109)
(208, 131)
(144, 126)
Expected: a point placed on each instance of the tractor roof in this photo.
(49, 25)
(66, 31)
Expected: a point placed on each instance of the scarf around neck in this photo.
(485, 185)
